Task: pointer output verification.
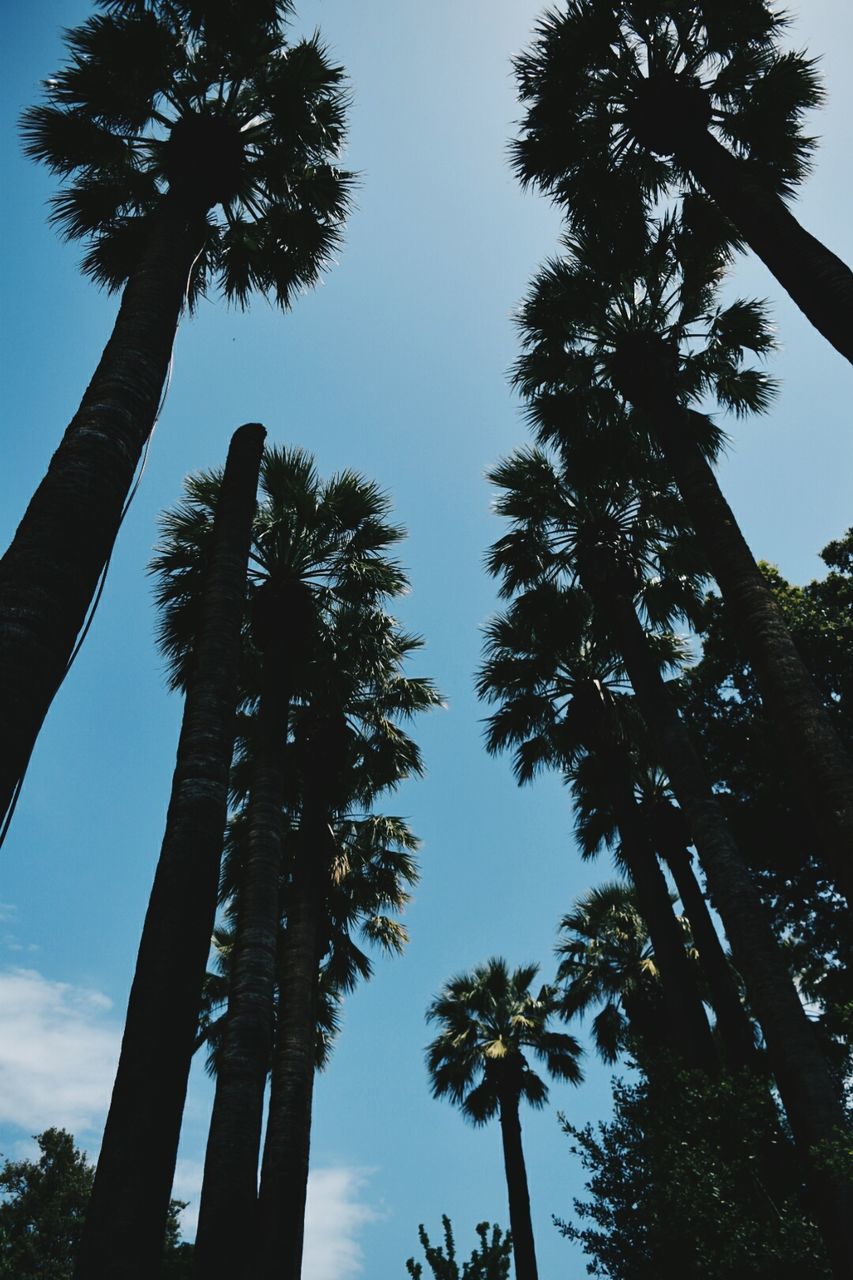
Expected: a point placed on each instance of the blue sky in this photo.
(396, 366)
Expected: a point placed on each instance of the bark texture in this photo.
(50, 571)
(284, 1170)
(733, 1025)
(819, 763)
(808, 1091)
(228, 1210)
(126, 1220)
(521, 1226)
(818, 281)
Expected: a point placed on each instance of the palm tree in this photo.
(197, 149)
(315, 545)
(365, 690)
(599, 537)
(628, 102)
(372, 869)
(606, 959)
(640, 326)
(559, 689)
(128, 1209)
(488, 1018)
(668, 831)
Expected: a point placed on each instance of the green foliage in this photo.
(777, 831)
(43, 1208)
(692, 1178)
(606, 959)
(490, 1261)
(487, 1019)
(206, 109)
(615, 95)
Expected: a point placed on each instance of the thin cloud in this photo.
(58, 1053)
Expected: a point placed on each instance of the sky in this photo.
(396, 366)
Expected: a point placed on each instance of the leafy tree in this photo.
(42, 1212)
(783, 844)
(127, 1213)
(487, 1019)
(197, 148)
(692, 1177)
(491, 1261)
(631, 101)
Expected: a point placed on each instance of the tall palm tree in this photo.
(489, 1021)
(314, 543)
(639, 328)
(562, 534)
(606, 959)
(373, 868)
(627, 102)
(558, 685)
(129, 1205)
(197, 148)
(366, 688)
(668, 831)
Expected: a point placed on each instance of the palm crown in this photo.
(559, 525)
(547, 665)
(608, 327)
(488, 1018)
(606, 959)
(330, 536)
(615, 93)
(204, 106)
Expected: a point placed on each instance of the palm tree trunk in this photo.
(733, 1025)
(50, 572)
(817, 280)
(690, 1034)
(818, 759)
(808, 1091)
(520, 1222)
(126, 1218)
(228, 1210)
(284, 1169)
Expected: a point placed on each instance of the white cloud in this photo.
(335, 1217)
(58, 1053)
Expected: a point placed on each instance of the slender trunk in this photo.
(807, 1089)
(284, 1169)
(126, 1218)
(50, 572)
(818, 281)
(818, 759)
(520, 1223)
(228, 1210)
(690, 1034)
(733, 1024)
